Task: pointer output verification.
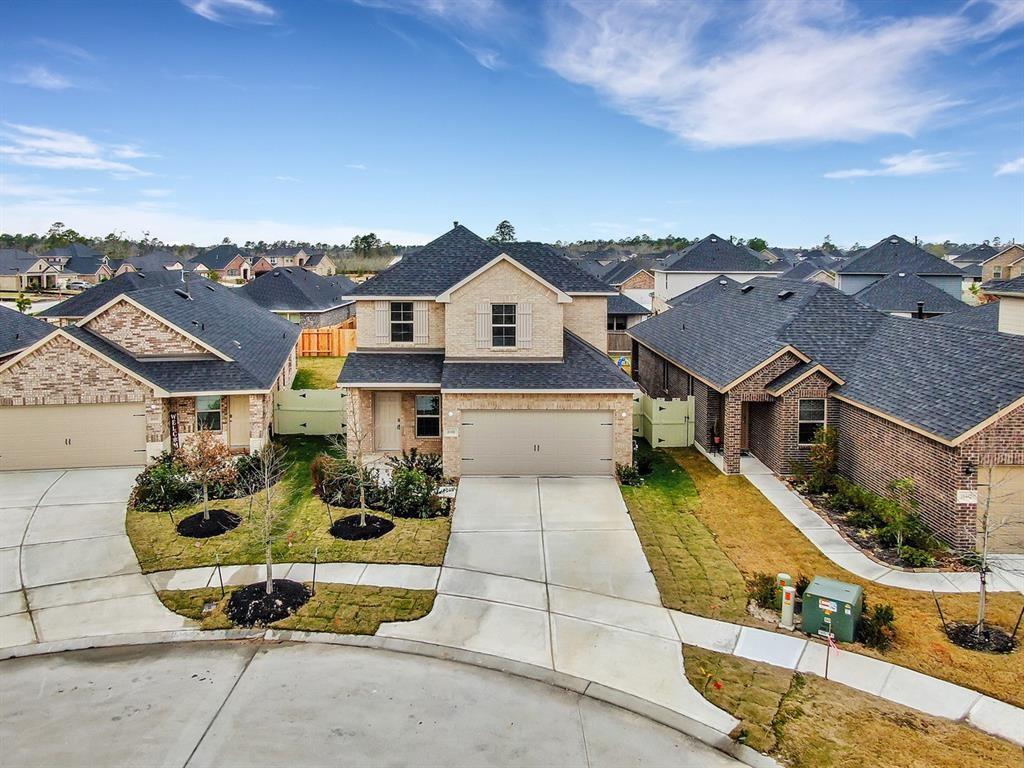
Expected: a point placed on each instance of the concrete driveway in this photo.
(67, 568)
(550, 572)
(233, 704)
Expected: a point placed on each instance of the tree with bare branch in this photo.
(208, 460)
(268, 470)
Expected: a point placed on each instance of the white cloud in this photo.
(128, 152)
(156, 193)
(65, 49)
(286, 178)
(746, 74)
(228, 11)
(29, 190)
(39, 147)
(475, 14)
(356, 166)
(915, 163)
(38, 76)
(485, 57)
(1012, 167)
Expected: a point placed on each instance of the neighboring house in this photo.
(1006, 264)
(623, 313)
(72, 309)
(21, 271)
(894, 254)
(810, 271)
(975, 255)
(633, 278)
(303, 297)
(78, 261)
(713, 286)
(18, 332)
(149, 262)
(288, 257)
(704, 260)
(231, 263)
(320, 263)
(492, 354)
(907, 295)
(142, 374)
(771, 361)
(980, 317)
(1010, 295)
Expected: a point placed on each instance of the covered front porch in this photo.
(386, 421)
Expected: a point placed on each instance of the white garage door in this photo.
(1001, 492)
(68, 436)
(537, 443)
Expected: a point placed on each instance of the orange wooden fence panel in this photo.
(327, 342)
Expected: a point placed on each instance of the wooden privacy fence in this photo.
(310, 411)
(335, 341)
(663, 423)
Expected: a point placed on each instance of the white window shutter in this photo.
(524, 325)
(419, 322)
(483, 326)
(380, 310)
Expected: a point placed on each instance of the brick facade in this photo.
(773, 426)
(141, 334)
(587, 317)
(642, 280)
(366, 328)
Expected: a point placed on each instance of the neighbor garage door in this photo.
(67, 436)
(1004, 491)
(536, 443)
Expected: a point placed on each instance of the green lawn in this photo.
(317, 372)
(807, 721)
(301, 530)
(705, 533)
(341, 608)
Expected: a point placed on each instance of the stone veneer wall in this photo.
(141, 334)
(621, 406)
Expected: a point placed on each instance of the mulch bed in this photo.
(348, 528)
(221, 521)
(992, 639)
(251, 605)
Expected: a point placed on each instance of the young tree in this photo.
(23, 303)
(757, 243)
(268, 470)
(208, 459)
(503, 233)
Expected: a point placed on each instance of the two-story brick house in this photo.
(492, 355)
(770, 361)
(142, 373)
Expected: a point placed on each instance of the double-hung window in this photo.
(401, 321)
(208, 413)
(428, 415)
(503, 325)
(812, 418)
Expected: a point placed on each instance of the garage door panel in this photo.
(525, 442)
(69, 436)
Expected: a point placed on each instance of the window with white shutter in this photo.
(382, 326)
(483, 326)
(524, 321)
(420, 322)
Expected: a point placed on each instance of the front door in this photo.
(387, 421)
(238, 421)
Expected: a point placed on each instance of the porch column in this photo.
(158, 430)
(731, 434)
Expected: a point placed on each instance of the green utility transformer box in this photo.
(832, 606)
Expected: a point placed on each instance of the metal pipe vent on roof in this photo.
(783, 295)
(901, 274)
(723, 282)
(746, 289)
(183, 294)
(893, 240)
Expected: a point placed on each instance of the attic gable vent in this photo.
(714, 239)
(746, 289)
(893, 240)
(783, 295)
(723, 282)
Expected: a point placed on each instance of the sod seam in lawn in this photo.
(704, 533)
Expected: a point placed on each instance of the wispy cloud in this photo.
(759, 73)
(356, 166)
(63, 48)
(232, 11)
(1012, 167)
(916, 163)
(156, 193)
(40, 147)
(39, 76)
(286, 178)
(485, 57)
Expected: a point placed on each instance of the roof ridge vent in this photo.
(746, 289)
(901, 274)
(183, 294)
(783, 295)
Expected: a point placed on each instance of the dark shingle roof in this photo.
(218, 258)
(18, 331)
(977, 254)
(392, 368)
(901, 291)
(154, 261)
(71, 251)
(582, 367)
(1013, 286)
(941, 378)
(894, 254)
(705, 290)
(294, 289)
(984, 317)
(803, 270)
(14, 261)
(85, 264)
(969, 268)
(623, 305)
(315, 259)
(621, 271)
(458, 253)
(95, 297)
(717, 254)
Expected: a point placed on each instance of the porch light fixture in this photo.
(969, 469)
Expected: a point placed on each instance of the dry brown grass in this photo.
(754, 536)
(809, 722)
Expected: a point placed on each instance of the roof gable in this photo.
(894, 254)
(560, 296)
(294, 289)
(19, 331)
(719, 255)
(901, 292)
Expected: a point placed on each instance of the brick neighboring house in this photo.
(705, 260)
(154, 261)
(78, 261)
(1006, 264)
(623, 313)
(231, 263)
(320, 263)
(492, 354)
(142, 373)
(894, 254)
(21, 271)
(294, 256)
(19, 331)
(770, 361)
(303, 297)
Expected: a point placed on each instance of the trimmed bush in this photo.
(628, 475)
(917, 558)
(643, 457)
(163, 486)
(336, 482)
(411, 494)
(877, 627)
(429, 464)
(762, 589)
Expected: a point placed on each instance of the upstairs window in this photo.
(997, 272)
(401, 321)
(208, 413)
(616, 322)
(428, 416)
(503, 325)
(812, 418)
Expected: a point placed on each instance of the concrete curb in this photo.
(638, 706)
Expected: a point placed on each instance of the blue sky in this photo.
(317, 120)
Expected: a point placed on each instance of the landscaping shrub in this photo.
(162, 486)
(628, 475)
(427, 463)
(411, 494)
(877, 627)
(902, 527)
(860, 506)
(336, 481)
(917, 558)
(821, 459)
(801, 584)
(763, 590)
(643, 457)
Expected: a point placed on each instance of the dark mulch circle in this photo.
(992, 639)
(251, 605)
(348, 528)
(221, 521)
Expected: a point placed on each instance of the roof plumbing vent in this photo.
(920, 311)
(746, 289)
(901, 274)
(783, 295)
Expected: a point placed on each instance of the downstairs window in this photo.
(812, 417)
(428, 415)
(208, 413)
